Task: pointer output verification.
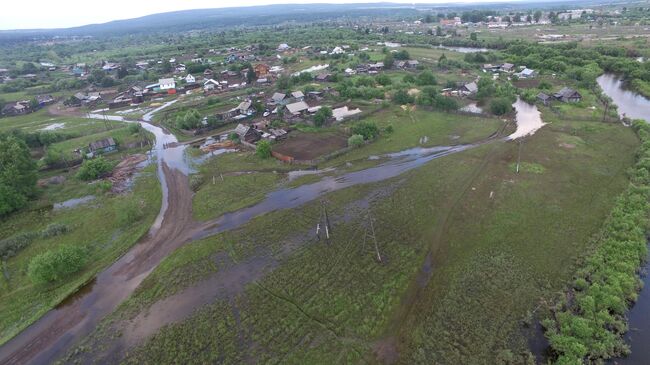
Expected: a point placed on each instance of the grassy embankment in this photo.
(589, 322)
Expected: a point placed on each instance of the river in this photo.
(630, 104)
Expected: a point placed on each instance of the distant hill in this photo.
(201, 19)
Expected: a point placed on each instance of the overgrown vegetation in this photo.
(56, 264)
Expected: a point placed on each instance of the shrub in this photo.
(355, 140)
(104, 186)
(263, 149)
(402, 97)
(54, 229)
(9, 247)
(56, 264)
(95, 168)
(367, 130)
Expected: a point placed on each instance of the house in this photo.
(469, 89)
(167, 84)
(110, 66)
(507, 67)
(337, 50)
(375, 67)
(527, 73)
(102, 146)
(17, 108)
(344, 112)
(245, 108)
(190, 79)
(278, 98)
(261, 70)
(298, 95)
(488, 67)
(283, 47)
(544, 98)
(247, 134)
(324, 77)
(297, 108)
(412, 64)
(208, 73)
(44, 99)
(568, 95)
(210, 85)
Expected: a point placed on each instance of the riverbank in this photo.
(588, 323)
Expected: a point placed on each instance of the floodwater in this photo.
(312, 69)
(71, 203)
(529, 119)
(464, 49)
(472, 108)
(52, 127)
(630, 104)
(399, 163)
(638, 336)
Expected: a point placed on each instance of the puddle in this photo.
(71, 203)
(472, 108)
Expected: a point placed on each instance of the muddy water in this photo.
(529, 119)
(630, 104)
(71, 203)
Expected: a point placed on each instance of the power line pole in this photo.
(323, 222)
(370, 234)
(521, 142)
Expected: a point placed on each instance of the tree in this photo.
(537, 16)
(383, 80)
(426, 78)
(122, 72)
(500, 106)
(438, 31)
(263, 149)
(322, 115)
(402, 97)
(402, 55)
(368, 130)
(473, 36)
(56, 264)
(17, 174)
(389, 60)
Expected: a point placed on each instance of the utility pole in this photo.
(323, 222)
(370, 234)
(521, 142)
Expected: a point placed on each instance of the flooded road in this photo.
(529, 119)
(630, 104)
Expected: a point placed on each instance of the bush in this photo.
(129, 211)
(54, 229)
(93, 169)
(11, 246)
(356, 140)
(196, 181)
(402, 97)
(134, 128)
(367, 130)
(56, 264)
(500, 106)
(263, 149)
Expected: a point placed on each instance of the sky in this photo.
(34, 14)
